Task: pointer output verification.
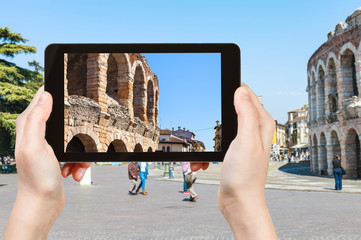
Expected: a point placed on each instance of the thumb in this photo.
(34, 129)
(247, 114)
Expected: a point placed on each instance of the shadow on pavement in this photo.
(299, 168)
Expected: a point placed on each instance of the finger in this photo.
(205, 166)
(34, 128)
(20, 121)
(267, 123)
(247, 115)
(196, 166)
(67, 169)
(78, 172)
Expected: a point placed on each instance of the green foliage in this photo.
(17, 86)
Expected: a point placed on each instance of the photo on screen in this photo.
(142, 102)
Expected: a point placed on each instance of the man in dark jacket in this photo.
(133, 174)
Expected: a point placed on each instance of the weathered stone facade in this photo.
(111, 103)
(334, 89)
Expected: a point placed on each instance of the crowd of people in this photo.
(289, 157)
(140, 170)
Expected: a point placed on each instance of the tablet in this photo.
(141, 102)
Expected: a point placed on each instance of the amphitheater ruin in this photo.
(334, 90)
(111, 103)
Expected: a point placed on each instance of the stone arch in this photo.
(313, 97)
(138, 148)
(77, 74)
(112, 75)
(118, 78)
(117, 146)
(320, 92)
(332, 56)
(315, 154)
(348, 71)
(156, 107)
(81, 143)
(150, 149)
(322, 155)
(349, 46)
(353, 161)
(139, 93)
(82, 130)
(150, 102)
(332, 86)
(335, 144)
(313, 80)
(320, 63)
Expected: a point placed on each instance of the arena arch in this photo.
(348, 70)
(332, 56)
(320, 64)
(117, 146)
(139, 93)
(138, 148)
(321, 93)
(150, 102)
(353, 161)
(77, 74)
(156, 107)
(315, 154)
(322, 161)
(335, 144)
(332, 86)
(150, 149)
(112, 75)
(81, 143)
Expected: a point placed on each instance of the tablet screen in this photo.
(142, 102)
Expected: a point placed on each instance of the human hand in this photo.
(244, 170)
(40, 197)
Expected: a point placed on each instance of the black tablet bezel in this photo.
(54, 84)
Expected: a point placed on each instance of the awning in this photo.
(301, 145)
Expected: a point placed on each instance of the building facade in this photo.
(180, 140)
(334, 99)
(110, 103)
(297, 130)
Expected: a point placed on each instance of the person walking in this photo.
(184, 170)
(337, 172)
(133, 174)
(143, 173)
(190, 178)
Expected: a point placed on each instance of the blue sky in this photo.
(189, 92)
(276, 37)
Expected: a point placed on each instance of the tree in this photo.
(17, 86)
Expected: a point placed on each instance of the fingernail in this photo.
(82, 173)
(243, 93)
(43, 98)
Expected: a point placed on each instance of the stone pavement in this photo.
(281, 176)
(104, 210)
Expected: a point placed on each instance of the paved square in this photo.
(104, 210)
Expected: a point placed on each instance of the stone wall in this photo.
(111, 102)
(334, 89)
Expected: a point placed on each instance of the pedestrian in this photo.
(133, 174)
(337, 172)
(190, 178)
(184, 170)
(143, 173)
